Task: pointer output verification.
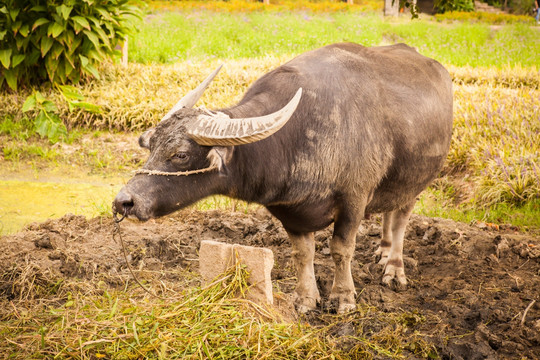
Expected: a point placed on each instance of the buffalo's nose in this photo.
(122, 203)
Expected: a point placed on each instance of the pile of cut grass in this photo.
(49, 318)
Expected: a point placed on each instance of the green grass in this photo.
(435, 203)
(202, 35)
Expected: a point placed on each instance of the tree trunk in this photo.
(391, 9)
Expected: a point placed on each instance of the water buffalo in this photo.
(331, 136)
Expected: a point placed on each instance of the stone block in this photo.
(216, 257)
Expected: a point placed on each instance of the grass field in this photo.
(197, 36)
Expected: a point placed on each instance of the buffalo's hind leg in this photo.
(382, 252)
(342, 248)
(394, 225)
(303, 252)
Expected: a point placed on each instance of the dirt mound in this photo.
(474, 291)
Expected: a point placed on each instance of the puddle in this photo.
(24, 202)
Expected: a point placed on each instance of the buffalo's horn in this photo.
(189, 100)
(211, 130)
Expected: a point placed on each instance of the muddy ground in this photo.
(475, 289)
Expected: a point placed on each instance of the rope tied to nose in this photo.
(116, 222)
(177, 173)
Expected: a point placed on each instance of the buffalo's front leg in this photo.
(342, 250)
(303, 252)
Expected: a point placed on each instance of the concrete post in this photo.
(216, 257)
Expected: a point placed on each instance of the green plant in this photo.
(442, 6)
(47, 122)
(59, 41)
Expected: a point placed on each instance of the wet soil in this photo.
(475, 289)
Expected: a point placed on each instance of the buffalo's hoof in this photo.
(394, 277)
(342, 303)
(305, 304)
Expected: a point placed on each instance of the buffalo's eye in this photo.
(182, 156)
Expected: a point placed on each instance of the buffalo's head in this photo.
(187, 140)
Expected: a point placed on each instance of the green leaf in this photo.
(51, 65)
(13, 14)
(42, 124)
(39, 22)
(40, 99)
(17, 59)
(39, 8)
(69, 67)
(25, 30)
(71, 92)
(81, 22)
(56, 51)
(93, 54)
(104, 13)
(92, 70)
(49, 106)
(103, 36)
(84, 60)
(29, 103)
(55, 29)
(93, 38)
(94, 20)
(94, 109)
(16, 26)
(64, 11)
(46, 43)
(50, 126)
(60, 73)
(5, 57)
(2, 34)
(11, 79)
(77, 28)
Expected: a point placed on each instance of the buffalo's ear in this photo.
(220, 156)
(144, 139)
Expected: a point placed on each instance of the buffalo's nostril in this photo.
(122, 203)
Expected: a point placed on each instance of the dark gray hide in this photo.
(371, 131)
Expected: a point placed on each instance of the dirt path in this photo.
(471, 288)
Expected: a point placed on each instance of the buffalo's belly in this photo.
(304, 217)
(404, 183)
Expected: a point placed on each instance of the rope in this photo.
(117, 231)
(178, 173)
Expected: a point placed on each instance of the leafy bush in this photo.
(443, 6)
(481, 16)
(59, 41)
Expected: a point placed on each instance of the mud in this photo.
(470, 287)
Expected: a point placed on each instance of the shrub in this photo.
(480, 16)
(59, 41)
(443, 6)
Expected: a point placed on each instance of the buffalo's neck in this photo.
(255, 175)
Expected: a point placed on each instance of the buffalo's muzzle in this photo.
(123, 203)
